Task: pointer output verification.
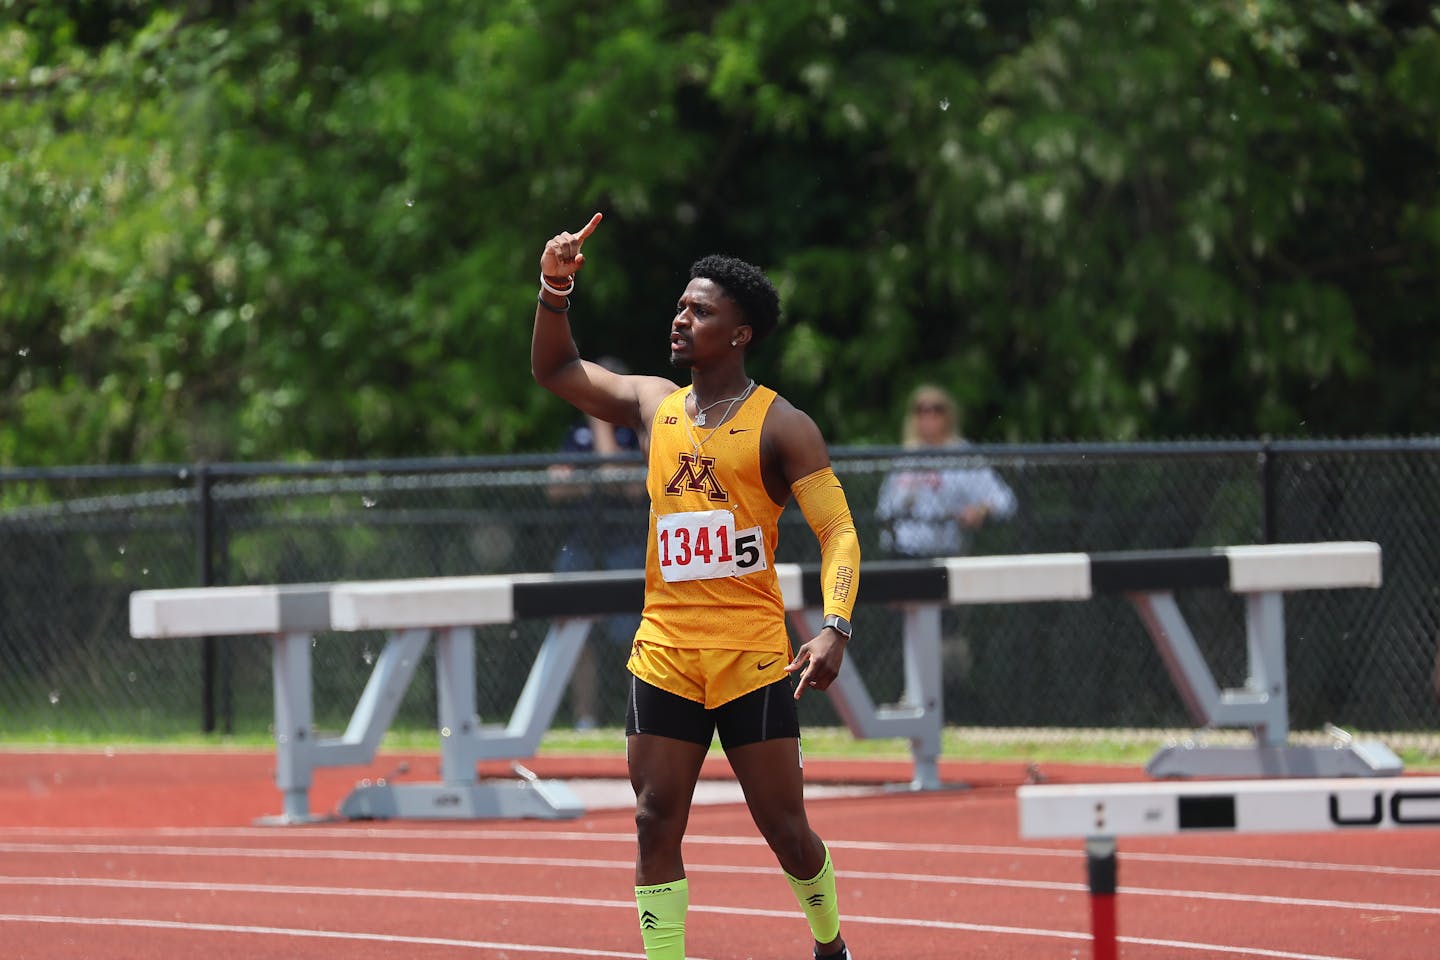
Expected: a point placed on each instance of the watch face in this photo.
(841, 625)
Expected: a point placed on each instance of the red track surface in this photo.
(147, 855)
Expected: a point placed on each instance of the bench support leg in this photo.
(919, 716)
(465, 741)
(1262, 705)
(294, 725)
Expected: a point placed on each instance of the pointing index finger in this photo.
(589, 228)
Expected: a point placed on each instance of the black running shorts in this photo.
(764, 714)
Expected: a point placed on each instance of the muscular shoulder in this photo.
(784, 419)
(791, 445)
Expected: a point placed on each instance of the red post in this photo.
(1102, 870)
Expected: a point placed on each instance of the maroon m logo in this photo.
(699, 481)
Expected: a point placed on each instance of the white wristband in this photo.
(557, 291)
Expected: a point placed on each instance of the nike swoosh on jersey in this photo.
(767, 665)
(733, 431)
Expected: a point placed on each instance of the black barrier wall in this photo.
(78, 541)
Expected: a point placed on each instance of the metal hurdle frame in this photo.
(1100, 813)
(411, 611)
(1260, 574)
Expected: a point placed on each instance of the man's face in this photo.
(705, 323)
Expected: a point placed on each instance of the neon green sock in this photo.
(662, 918)
(818, 899)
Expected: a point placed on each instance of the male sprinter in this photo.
(712, 652)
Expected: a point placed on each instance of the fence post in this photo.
(1267, 492)
(204, 537)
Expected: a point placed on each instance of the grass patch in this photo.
(837, 743)
(1420, 753)
(1000, 744)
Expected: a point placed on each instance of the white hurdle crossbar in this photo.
(1100, 813)
(411, 611)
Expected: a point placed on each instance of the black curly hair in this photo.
(748, 286)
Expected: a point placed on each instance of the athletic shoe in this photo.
(844, 954)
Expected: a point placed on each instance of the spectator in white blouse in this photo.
(929, 508)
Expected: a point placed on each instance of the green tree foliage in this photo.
(294, 229)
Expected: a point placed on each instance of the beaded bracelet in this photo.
(548, 287)
(540, 299)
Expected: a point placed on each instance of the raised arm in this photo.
(555, 361)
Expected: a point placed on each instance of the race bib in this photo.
(704, 544)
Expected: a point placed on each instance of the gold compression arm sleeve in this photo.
(822, 500)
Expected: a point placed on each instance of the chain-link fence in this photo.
(77, 542)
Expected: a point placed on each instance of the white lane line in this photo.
(303, 853)
(563, 951)
(535, 836)
(697, 868)
(1210, 949)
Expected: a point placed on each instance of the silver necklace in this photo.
(700, 411)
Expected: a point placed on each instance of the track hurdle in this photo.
(410, 613)
(1148, 579)
(1101, 813)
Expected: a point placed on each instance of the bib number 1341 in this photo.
(704, 544)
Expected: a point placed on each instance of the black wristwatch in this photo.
(839, 623)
